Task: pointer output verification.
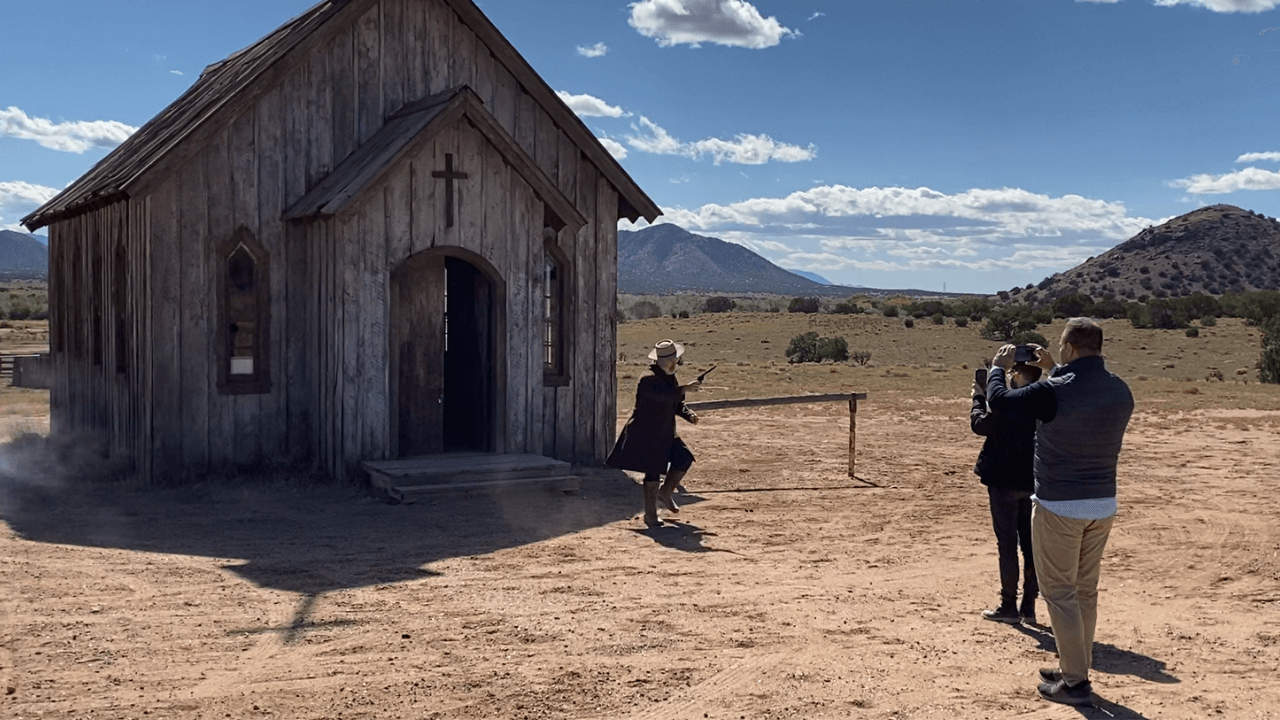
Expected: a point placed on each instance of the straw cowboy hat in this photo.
(664, 349)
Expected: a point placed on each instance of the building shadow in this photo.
(308, 540)
(1107, 658)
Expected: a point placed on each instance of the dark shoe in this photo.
(1028, 618)
(1050, 674)
(1061, 692)
(1002, 614)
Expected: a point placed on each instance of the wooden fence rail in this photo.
(853, 399)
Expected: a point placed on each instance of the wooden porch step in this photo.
(466, 471)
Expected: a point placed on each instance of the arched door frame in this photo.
(498, 338)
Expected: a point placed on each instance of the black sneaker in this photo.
(1061, 692)
(1028, 618)
(1003, 614)
(1050, 674)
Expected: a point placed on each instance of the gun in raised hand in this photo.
(703, 376)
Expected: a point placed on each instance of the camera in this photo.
(1024, 354)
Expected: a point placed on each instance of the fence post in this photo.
(853, 431)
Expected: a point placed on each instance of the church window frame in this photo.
(244, 316)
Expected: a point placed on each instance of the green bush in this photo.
(1028, 337)
(844, 308)
(645, 309)
(803, 305)
(909, 322)
(1003, 324)
(890, 311)
(1069, 306)
(684, 313)
(962, 321)
(939, 319)
(718, 304)
(1193, 332)
(1269, 362)
(811, 348)
(1208, 321)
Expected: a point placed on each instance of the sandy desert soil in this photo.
(784, 589)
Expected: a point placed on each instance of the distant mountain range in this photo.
(22, 255)
(666, 259)
(813, 276)
(1211, 250)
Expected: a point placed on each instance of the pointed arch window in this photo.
(245, 316)
(556, 312)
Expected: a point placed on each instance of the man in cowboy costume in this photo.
(649, 442)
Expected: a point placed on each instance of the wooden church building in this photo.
(374, 234)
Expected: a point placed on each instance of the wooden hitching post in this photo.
(853, 430)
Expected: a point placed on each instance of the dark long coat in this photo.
(646, 440)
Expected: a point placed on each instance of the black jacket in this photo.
(645, 442)
(1008, 454)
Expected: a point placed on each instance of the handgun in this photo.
(703, 376)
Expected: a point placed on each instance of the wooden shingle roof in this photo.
(122, 171)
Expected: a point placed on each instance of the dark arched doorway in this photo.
(444, 335)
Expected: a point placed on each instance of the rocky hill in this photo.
(1212, 250)
(22, 256)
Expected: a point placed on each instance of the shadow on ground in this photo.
(1107, 658)
(313, 540)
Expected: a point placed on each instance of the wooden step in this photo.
(466, 471)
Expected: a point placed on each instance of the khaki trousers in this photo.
(1068, 557)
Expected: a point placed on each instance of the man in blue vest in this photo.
(1083, 411)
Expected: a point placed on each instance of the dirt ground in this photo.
(784, 589)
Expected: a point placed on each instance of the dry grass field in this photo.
(784, 588)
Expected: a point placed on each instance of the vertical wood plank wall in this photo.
(329, 309)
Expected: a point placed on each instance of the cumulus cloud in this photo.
(615, 148)
(593, 51)
(743, 149)
(590, 106)
(692, 22)
(904, 230)
(1222, 6)
(1259, 156)
(76, 137)
(1251, 178)
(18, 199)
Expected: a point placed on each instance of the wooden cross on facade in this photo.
(449, 175)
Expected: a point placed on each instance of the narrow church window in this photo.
(244, 318)
(555, 313)
(119, 294)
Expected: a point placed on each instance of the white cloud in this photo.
(1256, 156)
(76, 137)
(691, 22)
(593, 51)
(175, 72)
(904, 230)
(1222, 6)
(743, 149)
(590, 106)
(615, 148)
(1247, 179)
(18, 199)
(815, 16)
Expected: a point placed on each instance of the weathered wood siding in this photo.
(329, 366)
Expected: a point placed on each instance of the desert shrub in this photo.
(684, 314)
(890, 311)
(1269, 362)
(1028, 337)
(845, 308)
(1139, 316)
(1006, 322)
(1108, 308)
(1208, 321)
(909, 322)
(939, 319)
(811, 348)
(1254, 307)
(862, 357)
(962, 321)
(1193, 332)
(645, 309)
(718, 304)
(803, 305)
(1004, 295)
(1069, 306)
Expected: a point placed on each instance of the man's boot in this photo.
(651, 504)
(666, 492)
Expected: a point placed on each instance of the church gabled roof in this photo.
(420, 121)
(121, 172)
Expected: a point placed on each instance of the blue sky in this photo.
(971, 144)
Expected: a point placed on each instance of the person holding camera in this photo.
(1005, 466)
(649, 442)
(1083, 411)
